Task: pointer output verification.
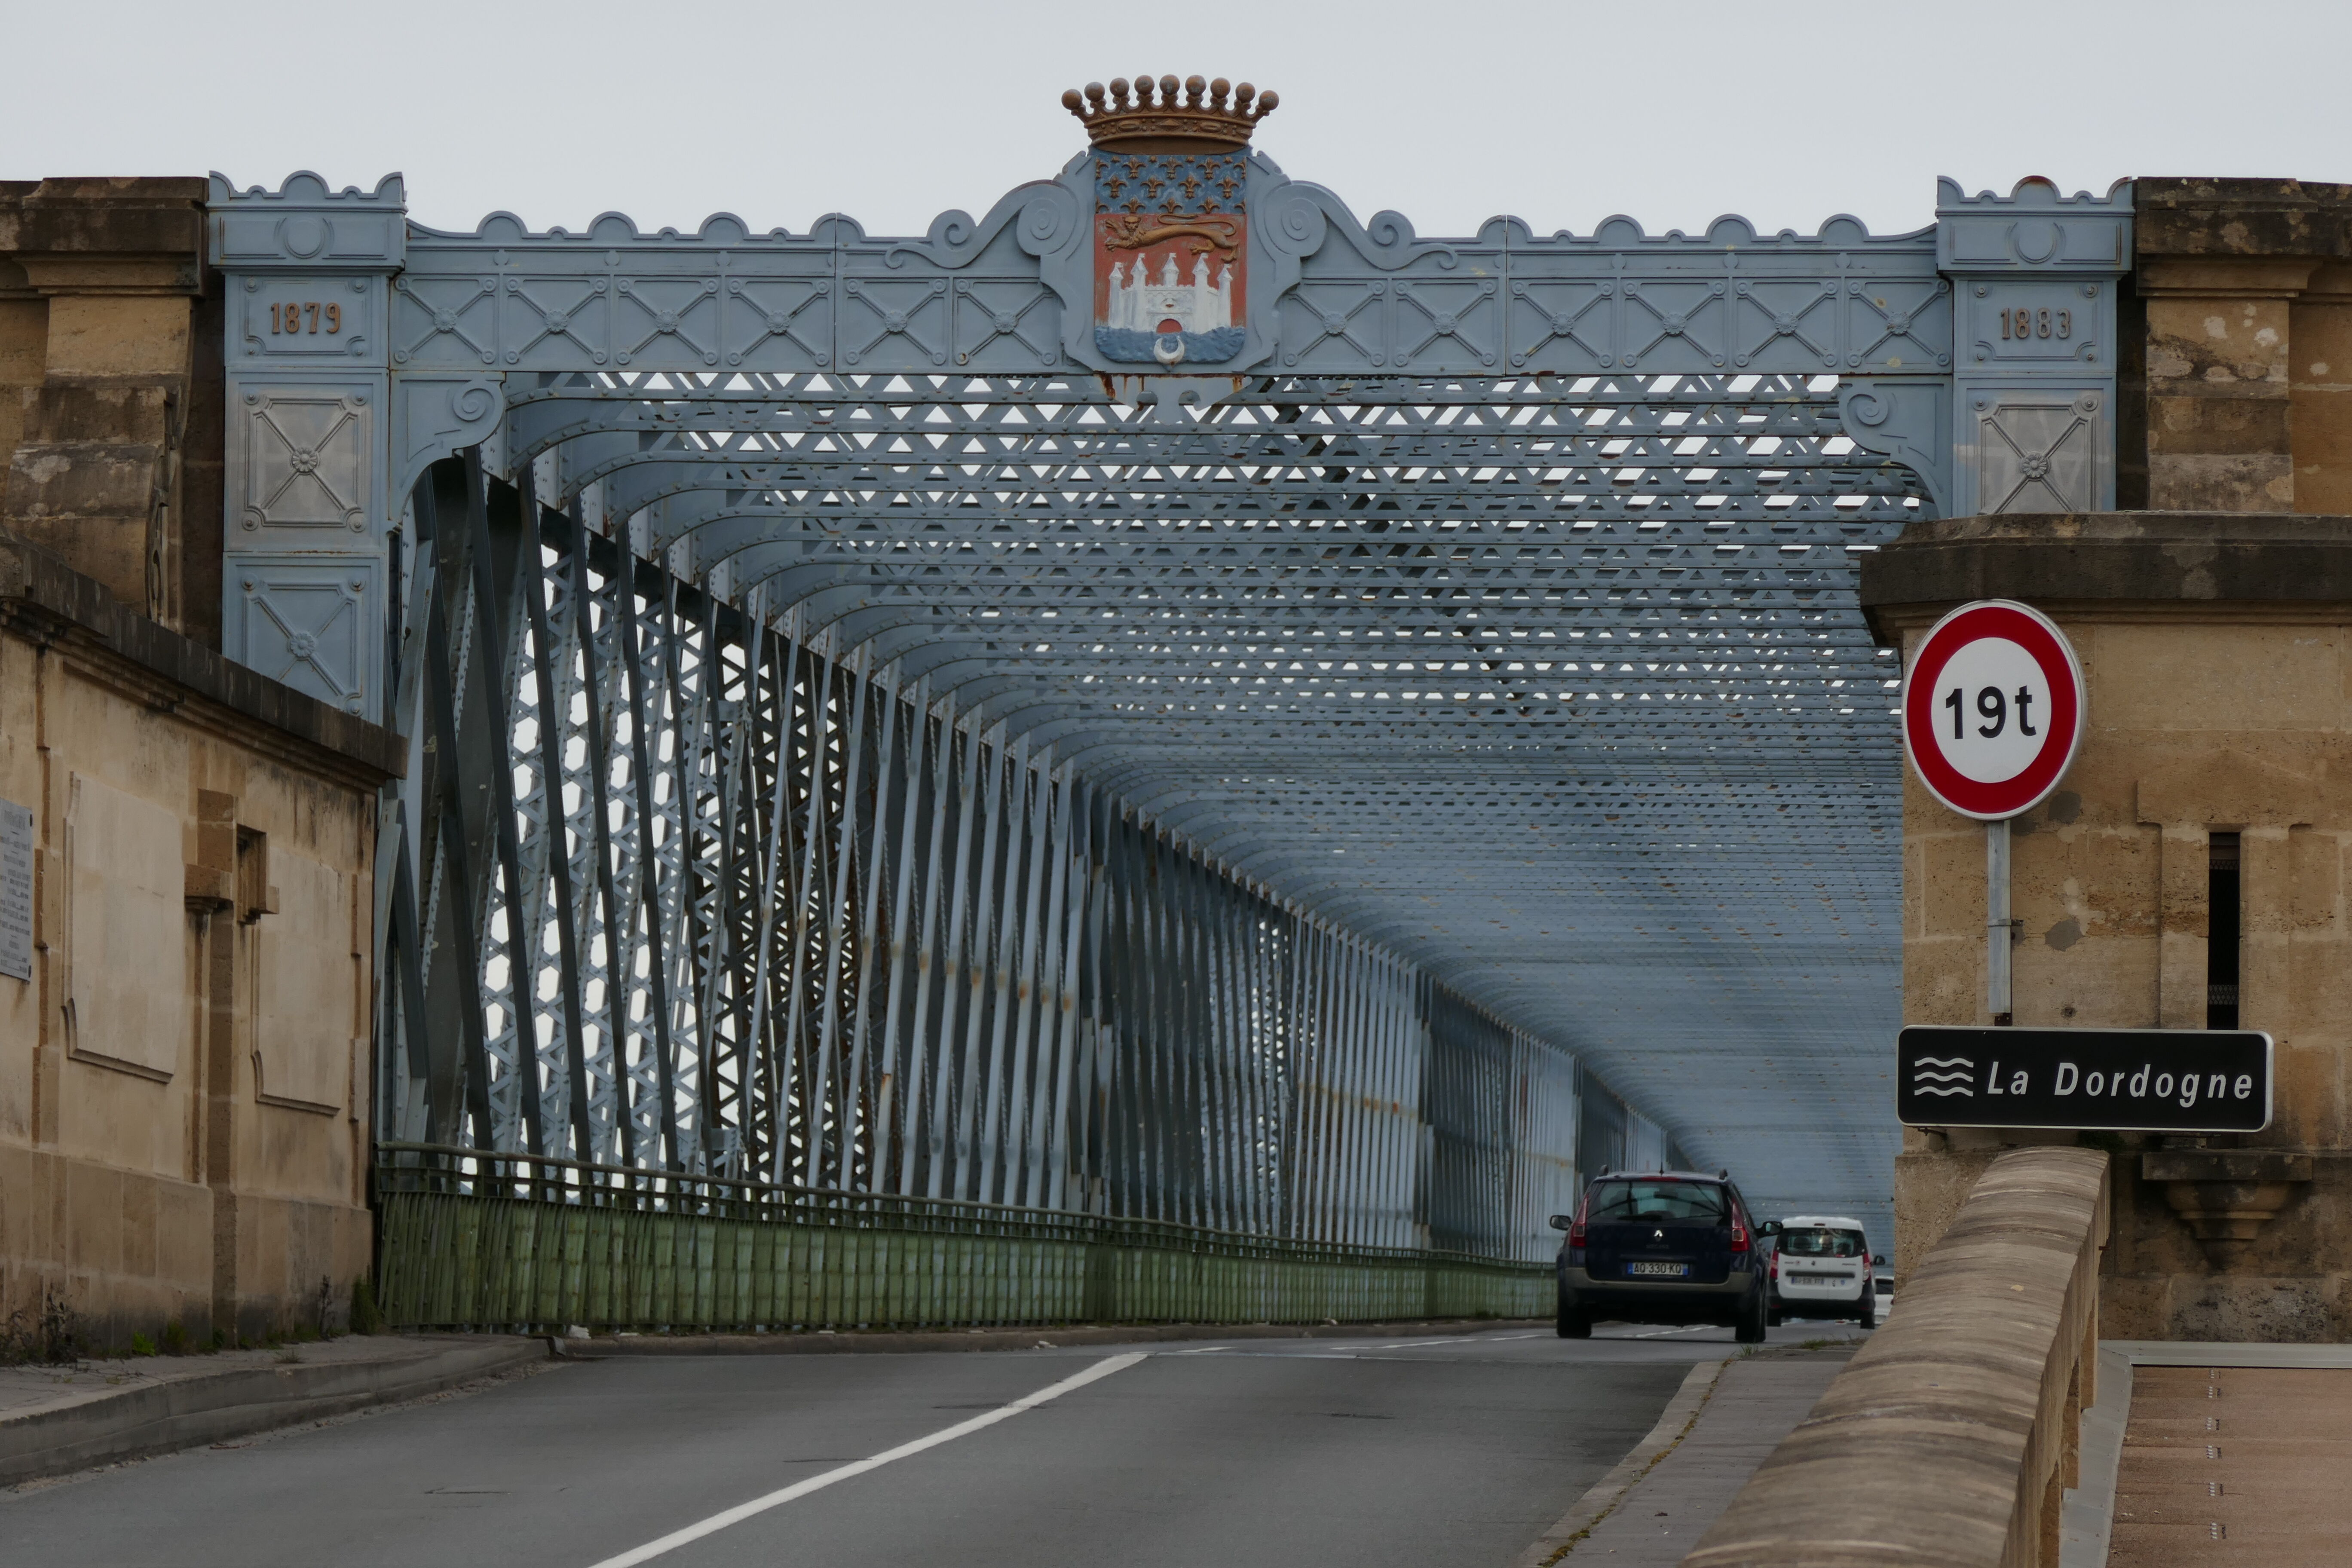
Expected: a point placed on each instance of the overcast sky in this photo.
(1560, 113)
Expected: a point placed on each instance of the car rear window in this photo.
(1617, 1200)
(1820, 1241)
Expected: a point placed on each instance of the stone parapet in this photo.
(42, 598)
(1949, 1440)
(2206, 216)
(2107, 558)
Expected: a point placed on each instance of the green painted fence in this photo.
(467, 1240)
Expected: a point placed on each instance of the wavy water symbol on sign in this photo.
(1944, 1075)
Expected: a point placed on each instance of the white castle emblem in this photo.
(1139, 305)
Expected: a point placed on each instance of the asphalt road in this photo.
(1421, 1452)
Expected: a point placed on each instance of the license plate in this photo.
(1664, 1270)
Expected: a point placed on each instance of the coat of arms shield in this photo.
(1171, 255)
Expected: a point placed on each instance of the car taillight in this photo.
(1576, 1234)
(1776, 1266)
(1738, 1236)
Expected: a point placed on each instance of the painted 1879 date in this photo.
(306, 316)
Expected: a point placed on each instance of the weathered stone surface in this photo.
(110, 388)
(2217, 653)
(138, 234)
(2161, 557)
(41, 595)
(2319, 390)
(2231, 1465)
(2240, 385)
(183, 1132)
(1943, 1441)
(2204, 216)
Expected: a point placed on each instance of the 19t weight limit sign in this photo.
(1992, 710)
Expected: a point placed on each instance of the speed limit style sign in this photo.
(1992, 708)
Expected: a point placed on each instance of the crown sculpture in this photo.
(1192, 111)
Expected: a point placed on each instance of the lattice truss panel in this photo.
(784, 920)
(1533, 700)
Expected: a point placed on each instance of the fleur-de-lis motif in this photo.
(1228, 186)
(1191, 186)
(1116, 188)
(1151, 189)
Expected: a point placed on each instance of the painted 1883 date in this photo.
(306, 316)
(2043, 323)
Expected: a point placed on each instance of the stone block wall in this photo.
(2247, 286)
(185, 1075)
(2216, 649)
(184, 1064)
(2214, 622)
(111, 386)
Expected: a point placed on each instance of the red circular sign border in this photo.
(2034, 632)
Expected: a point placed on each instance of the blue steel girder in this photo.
(1495, 600)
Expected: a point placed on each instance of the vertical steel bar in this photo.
(643, 755)
(908, 1048)
(801, 924)
(1020, 1129)
(554, 825)
(598, 738)
(1043, 1182)
(836, 937)
(978, 954)
(944, 1108)
(490, 640)
(775, 836)
(871, 944)
(993, 1144)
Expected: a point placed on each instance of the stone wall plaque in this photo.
(15, 889)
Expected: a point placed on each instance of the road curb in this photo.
(1673, 1425)
(889, 1343)
(162, 1418)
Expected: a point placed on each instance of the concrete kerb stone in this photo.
(899, 1342)
(2088, 1520)
(1601, 1500)
(158, 1418)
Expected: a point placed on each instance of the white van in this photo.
(1822, 1267)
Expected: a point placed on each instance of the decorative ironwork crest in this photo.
(1171, 254)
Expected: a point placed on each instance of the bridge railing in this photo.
(469, 1238)
(1949, 1439)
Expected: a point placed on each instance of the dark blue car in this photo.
(1665, 1247)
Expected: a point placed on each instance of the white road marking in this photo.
(742, 1511)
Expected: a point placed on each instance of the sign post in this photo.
(1992, 716)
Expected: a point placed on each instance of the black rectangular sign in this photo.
(2119, 1080)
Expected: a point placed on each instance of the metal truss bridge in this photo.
(886, 741)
